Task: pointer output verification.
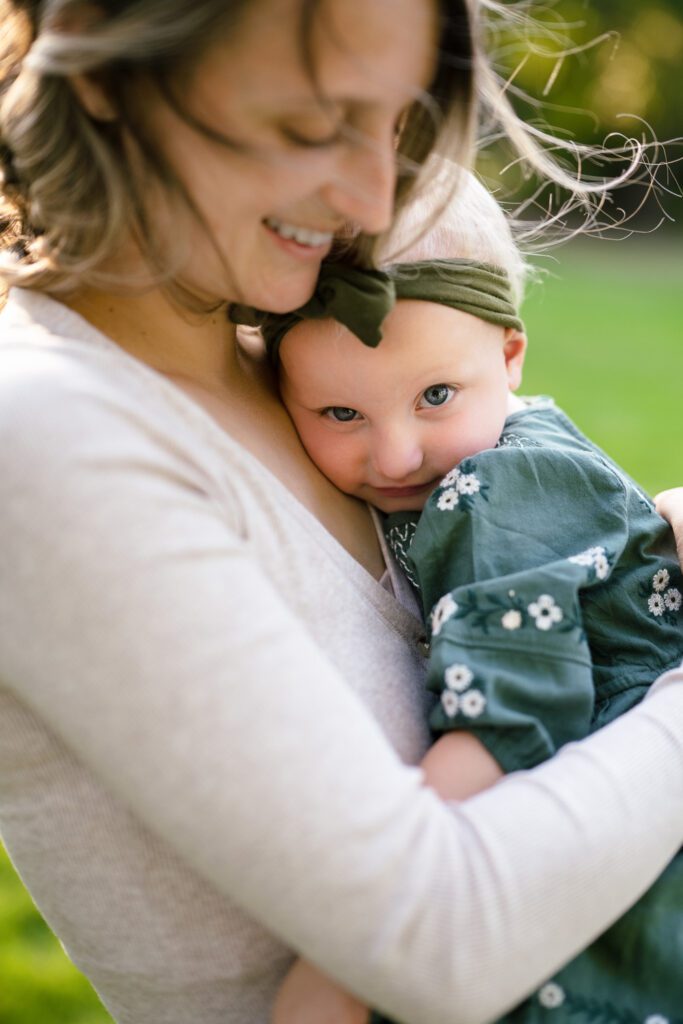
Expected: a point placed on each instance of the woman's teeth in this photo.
(304, 236)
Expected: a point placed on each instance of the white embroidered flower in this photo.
(656, 1018)
(458, 677)
(660, 580)
(448, 500)
(672, 599)
(601, 566)
(656, 604)
(511, 619)
(450, 479)
(597, 557)
(442, 611)
(545, 612)
(551, 996)
(585, 558)
(468, 484)
(472, 703)
(450, 703)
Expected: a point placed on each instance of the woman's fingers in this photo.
(670, 505)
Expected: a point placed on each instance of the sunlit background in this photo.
(604, 322)
(605, 317)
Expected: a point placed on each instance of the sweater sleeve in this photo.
(136, 623)
(504, 553)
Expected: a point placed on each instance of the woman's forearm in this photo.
(340, 849)
(173, 670)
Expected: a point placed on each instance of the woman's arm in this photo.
(458, 765)
(670, 505)
(137, 624)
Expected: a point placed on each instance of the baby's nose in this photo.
(396, 455)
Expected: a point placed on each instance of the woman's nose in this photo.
(363, 189)
(396, 454)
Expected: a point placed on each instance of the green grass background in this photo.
(605, 327)
(606, 339)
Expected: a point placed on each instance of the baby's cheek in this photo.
(337, 457)
(478, 432)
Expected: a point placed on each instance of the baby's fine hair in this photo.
(471, 225)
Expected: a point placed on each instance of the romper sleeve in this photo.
(504, 552)
(137, 625)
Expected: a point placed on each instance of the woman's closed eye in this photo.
(340, 414)
(436, 394)
(316, 129)
(321, 141)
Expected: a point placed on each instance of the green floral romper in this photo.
(554, 599)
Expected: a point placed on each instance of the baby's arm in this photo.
(458, 765)
(307, 996)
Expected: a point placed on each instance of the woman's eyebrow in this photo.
(323, 101)
(305, 104)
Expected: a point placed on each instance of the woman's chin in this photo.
(283, 289)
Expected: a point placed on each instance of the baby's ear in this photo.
(514, 350)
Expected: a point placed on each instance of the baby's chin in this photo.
(404, 500)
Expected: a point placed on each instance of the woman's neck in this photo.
(202, 356)
(198, 347)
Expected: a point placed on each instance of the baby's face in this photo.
(387, 424)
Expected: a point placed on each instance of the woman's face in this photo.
(303, 170)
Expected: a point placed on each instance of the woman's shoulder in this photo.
(50, 356)
(76, 411)
(61, 376)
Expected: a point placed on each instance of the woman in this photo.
(193, 638)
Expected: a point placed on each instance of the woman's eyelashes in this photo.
(313, 141)
(436, 394)
(322, 130)
(318, 128)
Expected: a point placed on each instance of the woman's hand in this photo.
(670, 505)
(307, 996)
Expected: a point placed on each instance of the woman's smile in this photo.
(299, 242)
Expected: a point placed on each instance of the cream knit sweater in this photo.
(206, 711)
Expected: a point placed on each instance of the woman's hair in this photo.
(68, 197)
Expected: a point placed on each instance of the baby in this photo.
(549, 583)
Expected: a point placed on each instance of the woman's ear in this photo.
(89, 89)
(92, 96)
(514, 350)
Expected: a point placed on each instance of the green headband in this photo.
(361, 299)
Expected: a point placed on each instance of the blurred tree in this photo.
(602, 70)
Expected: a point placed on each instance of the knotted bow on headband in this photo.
(361, 299)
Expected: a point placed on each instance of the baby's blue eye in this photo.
(340, 413)
(437, 394)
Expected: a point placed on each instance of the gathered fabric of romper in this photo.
(554, 596)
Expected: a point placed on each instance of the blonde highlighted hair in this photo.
(68, 197)
(468, 224)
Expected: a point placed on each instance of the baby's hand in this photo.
(307, 996)
(670, 505)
